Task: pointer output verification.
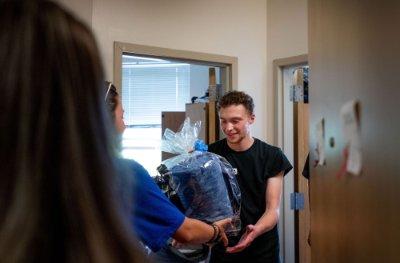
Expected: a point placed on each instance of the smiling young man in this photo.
(261, 168)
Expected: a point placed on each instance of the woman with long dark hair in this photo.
(58, 174)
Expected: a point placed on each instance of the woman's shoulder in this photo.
(129, 166)
(129, 163)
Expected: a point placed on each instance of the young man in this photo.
(261, 168)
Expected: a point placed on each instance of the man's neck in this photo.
(243, 145)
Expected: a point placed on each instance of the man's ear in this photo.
(252, 118)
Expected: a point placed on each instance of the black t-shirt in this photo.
(255, 165)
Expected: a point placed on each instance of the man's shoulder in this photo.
(266, 145)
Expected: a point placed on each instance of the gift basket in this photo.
(202, 184)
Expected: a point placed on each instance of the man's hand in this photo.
(270, 217)
(245, 241)
(222, 224)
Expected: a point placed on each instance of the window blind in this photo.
(149, 89)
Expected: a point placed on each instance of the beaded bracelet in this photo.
(216, 235)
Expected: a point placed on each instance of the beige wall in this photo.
(81, 8)
(257, 32)
(286, 37)
(226, 27)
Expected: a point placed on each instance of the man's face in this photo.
(235, 122)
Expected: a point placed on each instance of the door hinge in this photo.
(296, 201)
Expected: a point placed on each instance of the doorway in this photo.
(291, 134)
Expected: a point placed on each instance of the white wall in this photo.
(81, 8)
(198, 80)
(287, 36)
(226, 27)
(257, 32)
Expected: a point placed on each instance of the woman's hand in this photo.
(222, 225)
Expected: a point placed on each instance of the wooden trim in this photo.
(278, 82)
(192, 57)
(278, 65)
(117, 78)
(212, 122)
(301, 149)
(291, 61)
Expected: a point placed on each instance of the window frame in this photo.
(228, 64)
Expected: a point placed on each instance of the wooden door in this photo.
(354, 54)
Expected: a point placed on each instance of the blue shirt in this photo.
(155, 219)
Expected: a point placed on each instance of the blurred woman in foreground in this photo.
(58, 171)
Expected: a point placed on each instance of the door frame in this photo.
(278, 66)
(287, 219)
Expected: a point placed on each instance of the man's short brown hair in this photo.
(237, 98)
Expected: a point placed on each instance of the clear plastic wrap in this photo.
(204, 182)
